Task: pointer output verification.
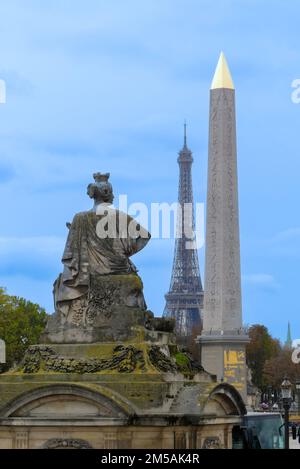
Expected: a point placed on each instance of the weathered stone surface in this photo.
(99, 296)
(134, 410)
(223, 328)
(222, 300)
(111, 311)
(161, 361)
(66, 443)
(163, 324)
(178, 362)
(124, 359)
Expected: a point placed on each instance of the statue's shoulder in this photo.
(83, 216)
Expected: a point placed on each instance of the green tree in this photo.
(262, 347)
(276, 368)
(21, 323)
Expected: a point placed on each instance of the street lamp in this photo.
(286, 393)
(270, 397)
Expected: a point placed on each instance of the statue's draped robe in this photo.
(87, 254)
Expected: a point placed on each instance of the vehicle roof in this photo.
(263, 414)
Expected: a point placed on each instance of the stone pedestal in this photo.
(135, 394)
(110, 311)
(225, 357)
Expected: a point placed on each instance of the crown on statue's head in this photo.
(101, 190)
(101, 177)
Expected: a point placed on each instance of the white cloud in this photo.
(260, 279)
(35, 257)
(285, 243)
(42, 245)
(287, 235)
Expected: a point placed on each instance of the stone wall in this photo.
(207, 436)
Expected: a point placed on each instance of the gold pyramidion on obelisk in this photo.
(222, 77)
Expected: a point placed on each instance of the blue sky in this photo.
(105, 86)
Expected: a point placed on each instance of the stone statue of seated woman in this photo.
(99, 295)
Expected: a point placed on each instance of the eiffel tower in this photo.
(184, 301)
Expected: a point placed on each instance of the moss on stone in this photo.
(142, 390)
(182, 361)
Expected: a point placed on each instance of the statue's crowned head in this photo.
(101, 190)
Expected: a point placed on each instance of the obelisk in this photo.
(223, 338)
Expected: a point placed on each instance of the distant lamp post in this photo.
(286, 393)
(298, 394)
(270, 396)
(2, 351)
